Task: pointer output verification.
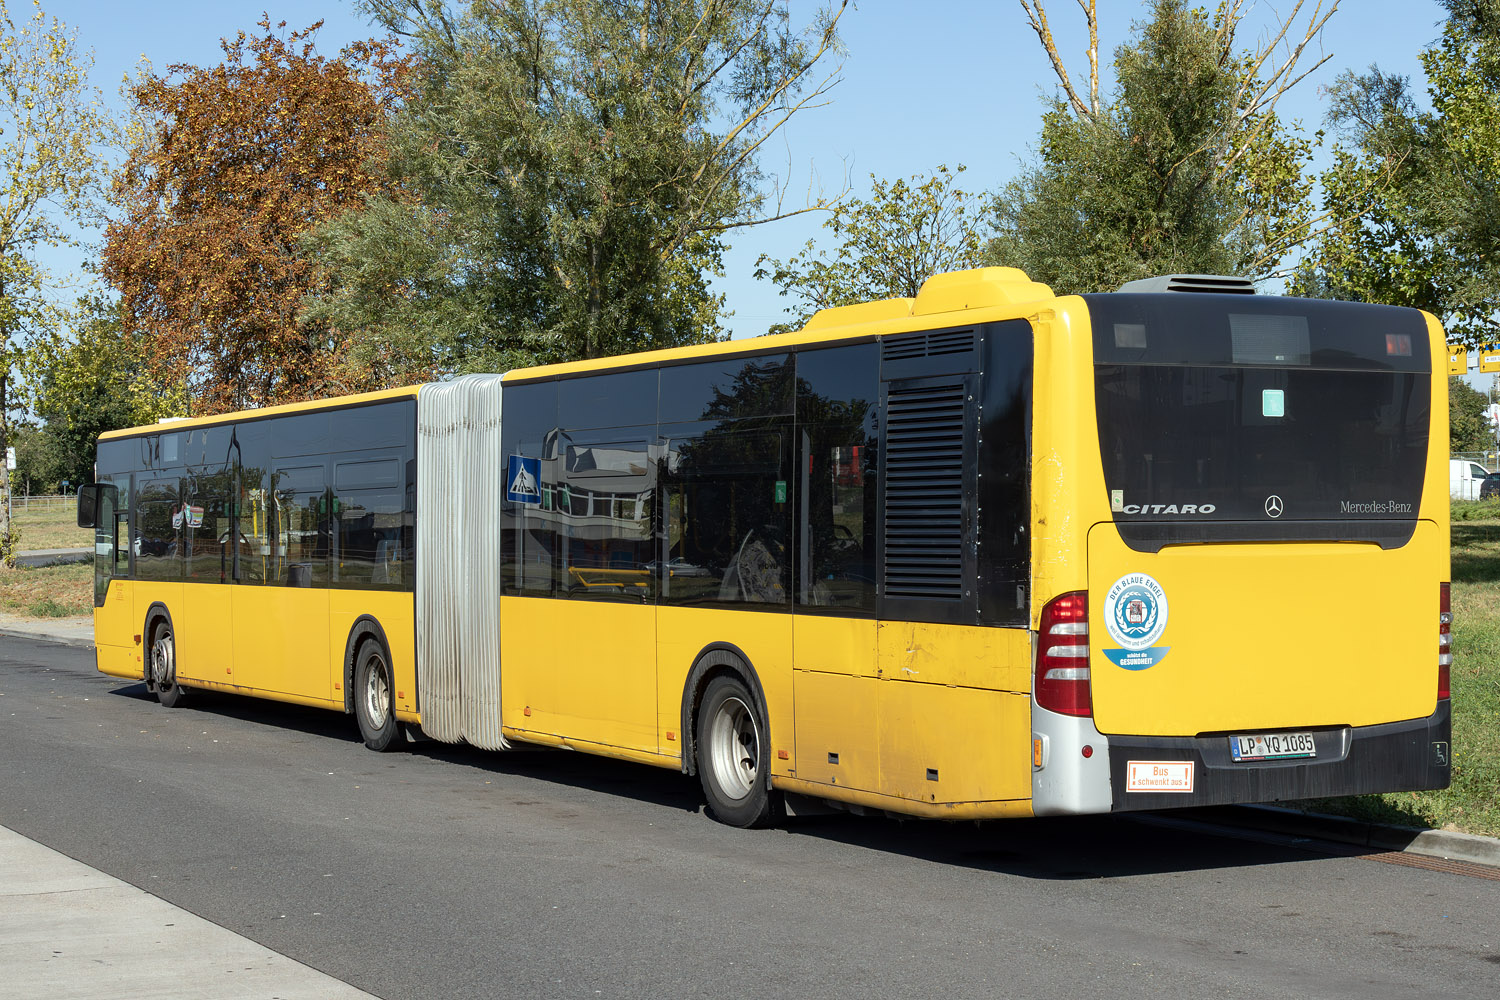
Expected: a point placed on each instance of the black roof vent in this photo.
(1191, 283)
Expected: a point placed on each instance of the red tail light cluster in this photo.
(1062, 656)
(1445, 638)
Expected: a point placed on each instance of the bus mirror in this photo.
(90, 499)
(88, 506)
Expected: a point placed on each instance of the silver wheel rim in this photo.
(734, 748)
(163, 665)
(377, 692)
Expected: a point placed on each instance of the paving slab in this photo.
(70, 932)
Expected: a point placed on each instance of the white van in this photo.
(1464, 478)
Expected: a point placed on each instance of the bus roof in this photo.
(1000, 292)
(996, 292)
(333, 402)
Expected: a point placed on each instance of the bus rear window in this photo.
(1279, 417)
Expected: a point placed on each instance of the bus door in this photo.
(205, 629)
(281, 559)
(106, 507)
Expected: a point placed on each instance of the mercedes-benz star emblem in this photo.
(1273, 506)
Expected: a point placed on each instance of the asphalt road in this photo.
(444, 872)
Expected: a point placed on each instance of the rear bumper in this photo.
(1393, 757)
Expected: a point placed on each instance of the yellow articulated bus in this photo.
(986, 552)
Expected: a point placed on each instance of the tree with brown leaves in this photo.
(228, 166)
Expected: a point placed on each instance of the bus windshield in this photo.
(1306, 419)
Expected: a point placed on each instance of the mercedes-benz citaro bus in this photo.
(984, 552)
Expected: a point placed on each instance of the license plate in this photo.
(1272, 746)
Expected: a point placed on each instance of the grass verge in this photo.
(52, 529)
(1472, 802)
(48, 591)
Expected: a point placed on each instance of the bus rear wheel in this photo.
(731, 747)
(374, 705)
(164, 668)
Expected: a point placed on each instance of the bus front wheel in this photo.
(373, 704)
(164, 669)
(731, 747)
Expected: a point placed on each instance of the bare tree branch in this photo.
(1258, 103)
(1091, 17)
(1036, 13)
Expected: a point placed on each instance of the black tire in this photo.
(732, 756)
(163, 668)
(374, 698)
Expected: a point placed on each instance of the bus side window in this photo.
(255, 526)
(159, 524)
(373, 539)
(528, 529)
(605, 507)
(1004, 484)
(837, 391)
(728, 525)
(302, 545)
(121, 566)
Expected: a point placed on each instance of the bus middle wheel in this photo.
(374, 705)
(732, 753)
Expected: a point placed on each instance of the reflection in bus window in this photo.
(206, 526)
(158, 530)
(603, 505)
(727, 518)
(837, 392)
(374, 539)
(256, 528)
(303, 529)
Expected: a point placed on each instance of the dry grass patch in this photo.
(52, 529)
(48, 592)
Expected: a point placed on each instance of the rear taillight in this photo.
(1062, 656)
(1445, 638)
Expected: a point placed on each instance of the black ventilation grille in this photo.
(924, 490)
(927, 345)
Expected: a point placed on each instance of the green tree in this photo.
(1468, 430)
(50, 122)
(1421, 189)
(886, 246)
(568, 170)
(84, 376)
(1188, 168)
(41, 465)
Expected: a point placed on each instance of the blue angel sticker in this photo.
(1135, 615)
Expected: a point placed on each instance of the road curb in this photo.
(37, 558)
(63, 640)
(1448, 844)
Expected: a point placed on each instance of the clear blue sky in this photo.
(924, 82)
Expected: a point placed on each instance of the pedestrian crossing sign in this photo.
(524, 480)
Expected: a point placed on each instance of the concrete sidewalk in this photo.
(68, 931)
(68, 631)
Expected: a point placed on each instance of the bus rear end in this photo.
(1261, 609)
